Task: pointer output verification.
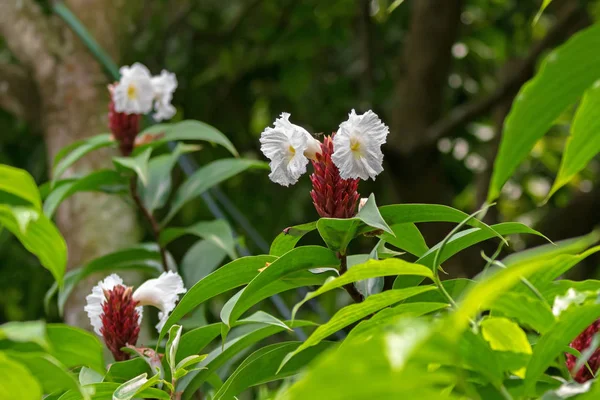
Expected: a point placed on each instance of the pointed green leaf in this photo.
(74, 152)
(583, 143)
(288, 239)
(207, 177)
(20, 183)
(137, 164)
(218, 232)
(369, 269)
(564, 75)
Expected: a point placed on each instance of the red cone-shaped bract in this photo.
(124, 128)
(120, 324)
(332, 196)
(582, 342)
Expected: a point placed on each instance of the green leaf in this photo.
(541, 10)
(133, 387)
(143, 257)
(188, 130)
(26, 331)
(194, 341)
(17, 381)
(569, 246)
(137, 164)
(463, 240)
(173, 345)
(105, 390)
(207, 177)
(355, 312)
(38, 235)
(189, 361)
(339, 232)
(564, 75)
(391, 315)
(229, 276)
(98, 181)
(528, 310)
(560, 287)
(20, 183)
(379, 368)
(72, 153)
(261, 367)
(200, 260)
(504, 335)
(155, 193)
(584, 140)
(571, 323)
(123, 371)
(416, 213)
(218, 232)
(240, 339)
(406, 237)
(75, 347)
(288, 239)
(50, 373)
(299, 259)
(369, 269)
(88, 376)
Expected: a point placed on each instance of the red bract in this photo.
(120, 321)
(332, 196)
(582, 342)
(124, 128)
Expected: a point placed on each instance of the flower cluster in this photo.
(137, 93)
(115, 310)
(352, 153)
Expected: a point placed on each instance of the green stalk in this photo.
(75, 24)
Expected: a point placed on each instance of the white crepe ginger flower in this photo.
(357, 146)
(288, 146)
(134, 93)
(164, 85)
(115, 310)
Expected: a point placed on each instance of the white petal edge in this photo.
(164, 85)
(162, 293)
(368, 133)
(95, 300)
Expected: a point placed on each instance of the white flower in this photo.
(287, 146)
(97, 298)
(164, 85)
(162, 293)
(134, 93)
(357, 146)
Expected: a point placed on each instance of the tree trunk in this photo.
(73, 105)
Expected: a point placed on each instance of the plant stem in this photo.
(150, 218)
(350, 288)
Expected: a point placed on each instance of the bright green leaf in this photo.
(218, 232)
(72, 153)
(564, 75)
(20, 183)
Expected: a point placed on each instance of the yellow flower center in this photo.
(354, 145)
(292, 150)
(131, 92)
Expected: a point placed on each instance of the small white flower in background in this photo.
(357, 146)
(162, 293)
(287, 146)
(164, 85)
(134, 93)
(572, 296)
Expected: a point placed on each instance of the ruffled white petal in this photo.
(162, 293)
(164, 85)
(284, 145)
(97, 298)
(134, 93)
(357, 146)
